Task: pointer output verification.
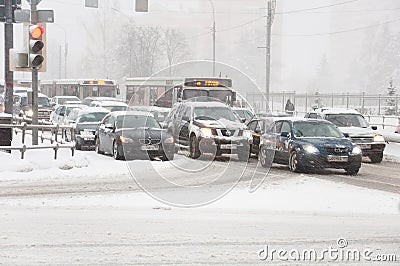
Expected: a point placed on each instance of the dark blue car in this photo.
(306, 144)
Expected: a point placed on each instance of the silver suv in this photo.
(208, 127)
(353, 124)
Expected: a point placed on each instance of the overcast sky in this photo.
(304, 31)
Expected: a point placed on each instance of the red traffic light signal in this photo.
(36, 31)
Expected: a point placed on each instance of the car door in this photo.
(109, 134)
(254, 126)
(176, 121)
(101, 132)
(184, 125)
(283, 142)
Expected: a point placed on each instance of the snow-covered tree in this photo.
(391, 105)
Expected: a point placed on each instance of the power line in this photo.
(242, 25)
(315, 8)
(337, 32)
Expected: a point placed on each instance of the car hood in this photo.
(326, 142)
(357, 131)
(141, 133)
(221, 123)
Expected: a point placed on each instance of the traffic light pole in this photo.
(8, 44)
(35, 80)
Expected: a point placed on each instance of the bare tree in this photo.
(175, 47)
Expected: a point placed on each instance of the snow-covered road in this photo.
(88, 210)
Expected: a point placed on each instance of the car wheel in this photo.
(266, 157)
(167, 156)
(97, 147)
(294, 164)
(352, 171)
(376, 158)
(243, 155)
(116, 148)
(194, 148)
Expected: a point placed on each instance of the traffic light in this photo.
(37, 40)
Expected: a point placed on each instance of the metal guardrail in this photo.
(45, 126)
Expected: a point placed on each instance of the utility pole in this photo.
(8, 44)
(35, 79)
(270, 19)
(214, 30)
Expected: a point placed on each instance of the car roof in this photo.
(95, 98)
(110, 103)
(68, 97)
(25, 94)
(205, 104)
(140, 113)
(89, 110)
(301, 119)
(336, 111)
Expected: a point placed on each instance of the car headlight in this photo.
(206, 132)
(356, 150)
(125, 140)
(379, 138)
(248, 134)
(311, 149)
(29, 113)
(169, 140)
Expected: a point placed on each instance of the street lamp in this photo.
(214, 31)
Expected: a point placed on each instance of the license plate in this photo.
(228, 146)
(365, 146)
(338, 159)
(149, 147)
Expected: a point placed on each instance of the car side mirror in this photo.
(374, 127)
(62, 114)
(285, 134)
(243, 120)
(185, 118)
(109, 126)
(163, 125)
(346, 135)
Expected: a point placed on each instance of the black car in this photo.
(258, 127)
(304, 144)
(133, 134)
(85, 123)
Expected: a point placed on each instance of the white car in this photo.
(355, 126)
(61, 100)
(59, 115)
(112, 106)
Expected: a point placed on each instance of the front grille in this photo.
(44, 115)
(149, 141)
(337, 150)
(362, 139)
(228, 133)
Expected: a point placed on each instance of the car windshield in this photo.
(347, 120)
(116, 108)
(70, 108)
(136, 121)
(244, 114)
(92, 117)
(42, 101)
(314, 129)
(214, 113)
(63, 100)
